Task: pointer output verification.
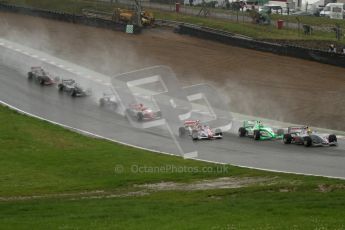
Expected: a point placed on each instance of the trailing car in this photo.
(304, 136)
(256, 130)
(74, 89)
(199, 131)
(108, 101)
(143, 113)
(39, 75)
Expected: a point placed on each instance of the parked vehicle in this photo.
(334, 11)
(271, 9)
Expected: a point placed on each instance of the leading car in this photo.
(303, 135)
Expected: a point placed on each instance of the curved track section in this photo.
(84, 114)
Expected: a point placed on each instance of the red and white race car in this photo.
(199, 131)
(142, 113)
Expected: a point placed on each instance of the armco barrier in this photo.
(235, 40)
(72, 18)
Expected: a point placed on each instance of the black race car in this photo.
(74, 89)
(40, 76)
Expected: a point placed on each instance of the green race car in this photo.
(258, 131)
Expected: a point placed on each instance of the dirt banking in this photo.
(254, 83)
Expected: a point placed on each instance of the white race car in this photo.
(199, 131)
(304, 136)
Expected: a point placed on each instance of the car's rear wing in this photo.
(297, 129)
(36, 67)
(68, 80)
(249, 123)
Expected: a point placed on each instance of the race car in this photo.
(199, 131)
(256, 130)
(305, 136)
(39, 75)
(142, 113)
(108, 100)
(74, 89)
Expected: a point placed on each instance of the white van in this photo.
(337, 10)
(333, 10)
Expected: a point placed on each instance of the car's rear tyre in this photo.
(332, 138)
(30, 76)
(307, 141)
(257, 135)
(280, 132)
(41, 81)
(102, 102)
(195, 135)
(73, 93)
(241, 132)
(140, 116)
(287, 139)
(182, 132)
(114, 105)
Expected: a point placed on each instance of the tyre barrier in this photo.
(71, 18)
(325, 57)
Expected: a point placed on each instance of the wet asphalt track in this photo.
(85, 114)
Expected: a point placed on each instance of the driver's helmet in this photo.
(198, 124)
(309, 131)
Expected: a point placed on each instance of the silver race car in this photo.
(108, 101)
(199, 131)
(305, 136)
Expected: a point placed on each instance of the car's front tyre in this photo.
(181, 131)
(195, 135)
(287, 139)
(307, 141)
(140, 116)
(241, 132)
(257, 135)
(60, 87)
